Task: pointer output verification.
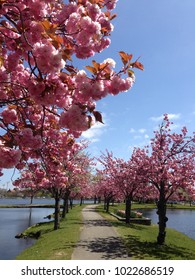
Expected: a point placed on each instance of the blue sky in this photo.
(162, 33)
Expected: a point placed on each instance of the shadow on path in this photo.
(98, 239)
(109, 248)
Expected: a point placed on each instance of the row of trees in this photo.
(164, 170)
(41, 90)
(46, 101)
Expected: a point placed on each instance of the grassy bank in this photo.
(140, 240)
(55, 244)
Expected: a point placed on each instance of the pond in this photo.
(179, 219)
(12, 222)
(15, 220)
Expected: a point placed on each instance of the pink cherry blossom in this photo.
(9, 115)
(42, 92)
(9, 157)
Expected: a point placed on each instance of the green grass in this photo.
(152, 206)
(55, 244)
(140, 241)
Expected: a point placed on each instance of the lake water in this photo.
(21, 201)
(14, 220)
(181, 220)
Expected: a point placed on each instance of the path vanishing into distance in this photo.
(98, 239)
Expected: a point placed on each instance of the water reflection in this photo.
(12, 222)
(179, 219)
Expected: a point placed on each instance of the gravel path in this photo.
(98, 239)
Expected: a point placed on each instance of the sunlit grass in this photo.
(141, 244)
(140, 240)
(55, 244)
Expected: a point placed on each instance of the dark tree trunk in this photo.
(81, 201)
(65, 207)
(162, 219)
(107, 205)
(71, 203)
(127, 209)
(57, 212)
(65, 204)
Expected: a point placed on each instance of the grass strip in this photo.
(140, 241)
(54, 244)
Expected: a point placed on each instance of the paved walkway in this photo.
(98, 239)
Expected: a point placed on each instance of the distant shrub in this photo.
(134, 214)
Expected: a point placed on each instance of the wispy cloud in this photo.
(95, 132)
(141, 130)
(146, 136)
(170, 116)
(132, 130)
(139, 137)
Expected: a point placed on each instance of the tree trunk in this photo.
(107, 205)
(57, 212)
(162, 219)
(65, 207)
(65, 203)
(71, 203)
(127, 209)
(81, 201)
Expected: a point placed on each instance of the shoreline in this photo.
(29, 206)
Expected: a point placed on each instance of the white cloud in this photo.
(174, 116)
(132, 130)
(170, 116)
(142, 130)
(157, 119)
(146, 136)
(138, 134)
(94, 132)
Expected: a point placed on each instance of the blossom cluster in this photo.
(40, 88)
(9, 157)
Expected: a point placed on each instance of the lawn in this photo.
(140, 240)
(55, 244)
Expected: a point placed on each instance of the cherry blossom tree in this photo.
(170, 168)
(78, 171)
(56, 166)
(39, 81)
(128, 176)
(105, 188)
(30, 180)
